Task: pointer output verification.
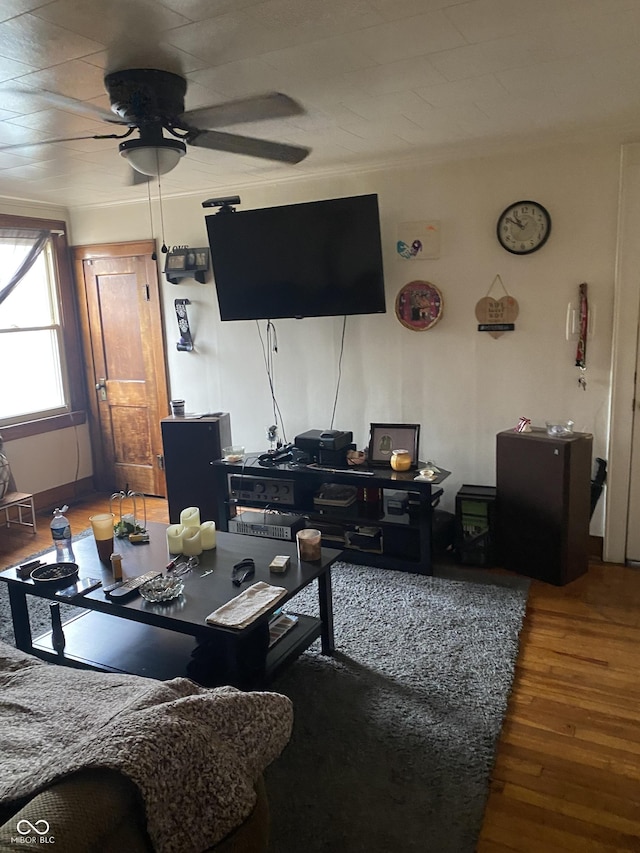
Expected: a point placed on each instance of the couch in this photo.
(108, 762)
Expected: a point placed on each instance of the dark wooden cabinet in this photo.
(543, 501)
(190, 446)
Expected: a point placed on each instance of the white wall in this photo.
(42, 462)
(462, 386)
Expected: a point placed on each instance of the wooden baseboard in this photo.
(64, 494)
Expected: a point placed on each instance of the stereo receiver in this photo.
(264, 490)
(269, 525)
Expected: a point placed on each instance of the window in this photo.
(40, 364)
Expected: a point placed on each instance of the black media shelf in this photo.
(406, 537)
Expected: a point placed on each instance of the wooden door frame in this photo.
(100, 251)
(626, 316)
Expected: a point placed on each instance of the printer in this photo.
(326, 447)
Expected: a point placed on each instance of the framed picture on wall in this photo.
(385, 438)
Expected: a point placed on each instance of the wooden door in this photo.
(119, 295)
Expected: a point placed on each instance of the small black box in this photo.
(398, 503)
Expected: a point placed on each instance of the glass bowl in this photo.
(557, 429)
(235, 453)
(162, 589)
(427, 474)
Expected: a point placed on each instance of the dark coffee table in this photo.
(173, 639)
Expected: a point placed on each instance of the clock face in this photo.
(523, 227)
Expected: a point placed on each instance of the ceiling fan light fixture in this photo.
(153, 159)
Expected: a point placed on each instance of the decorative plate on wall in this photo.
(419, 305)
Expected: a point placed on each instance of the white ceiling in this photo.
(381, 81)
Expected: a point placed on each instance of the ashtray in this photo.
(54, 572)
(162, 589)
(559, 428)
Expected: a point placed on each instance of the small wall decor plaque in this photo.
(418, 240)
(419, 305)
(497, 316)
(185, 344)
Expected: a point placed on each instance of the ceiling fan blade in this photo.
(80, 107)
(61, 139)
(235, 144)
(271, 105)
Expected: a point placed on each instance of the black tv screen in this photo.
(315, 259)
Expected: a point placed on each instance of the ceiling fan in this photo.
(151, 102)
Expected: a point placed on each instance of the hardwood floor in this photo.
(567, 772)
(18, 542)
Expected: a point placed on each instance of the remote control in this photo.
(123, 589)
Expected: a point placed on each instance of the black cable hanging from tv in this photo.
(267, 354)
(335, 400)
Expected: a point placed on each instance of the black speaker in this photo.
(475, 526)
(190, 446)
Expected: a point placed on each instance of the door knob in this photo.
(101, 386)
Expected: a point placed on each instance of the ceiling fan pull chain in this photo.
(164, 248)
(154, 256)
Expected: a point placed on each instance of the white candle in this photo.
(208, 535)
(174, 538)
(191, 541)
(190, 517)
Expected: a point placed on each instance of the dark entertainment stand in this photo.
(377, 530)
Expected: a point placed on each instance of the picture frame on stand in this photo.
(385, 438)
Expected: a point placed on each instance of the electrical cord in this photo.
(335, 401)
(267, 354)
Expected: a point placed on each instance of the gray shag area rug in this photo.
(395, 736)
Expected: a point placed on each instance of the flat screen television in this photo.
(315, 259)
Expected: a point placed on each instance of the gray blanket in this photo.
(194, 753)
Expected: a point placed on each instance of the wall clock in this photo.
(524, 227)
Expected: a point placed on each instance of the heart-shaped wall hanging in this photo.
(496, 316)
(496, 312)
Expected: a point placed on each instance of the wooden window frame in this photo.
(71, 340)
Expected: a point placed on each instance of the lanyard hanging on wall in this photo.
(581, 352)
